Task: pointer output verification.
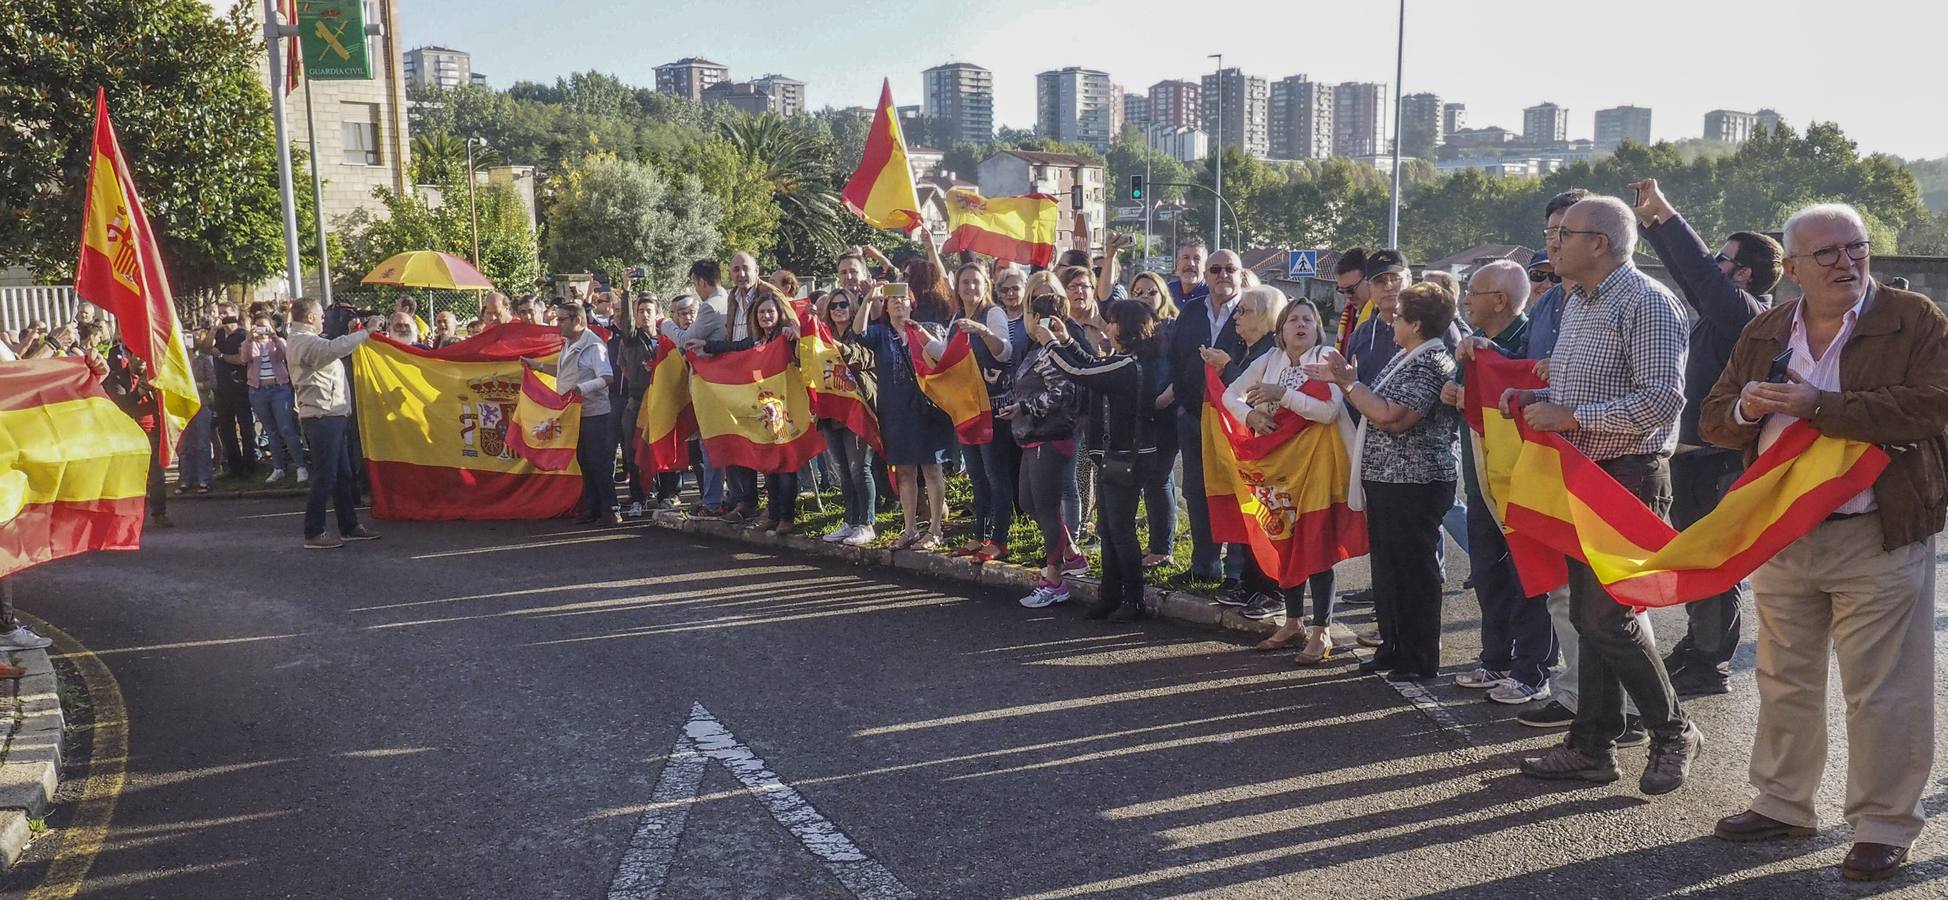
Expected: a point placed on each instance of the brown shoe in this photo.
(782, 527)
(10, 671)
(1748, 827)
(1873, 862)
(1318, 647)
(323, 542)
(1288, 634)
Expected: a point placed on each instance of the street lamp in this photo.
(1217, 215)
(473, 212)
(1399, 106)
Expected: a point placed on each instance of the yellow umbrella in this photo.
(429, 269)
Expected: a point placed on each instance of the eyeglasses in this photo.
(1474, 293)
(1347, 291)
(1009, 289)
(1830, 256)
(1551, 235)
(842, 304)
(1221, 270)
(1562, 234)
(1540, 277)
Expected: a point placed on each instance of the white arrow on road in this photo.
(646, 864)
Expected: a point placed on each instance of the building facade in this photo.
(1301, 118)
(1545, 123)
(1185, 145)
(1077, 104)
(438, 67)
(1237, 110)
(1422, 125)
(1136, 109)
(1622, 123)
(1454, 117)
(787, 94)
(961, 95)
(1359, 119)
(1176, 104)
(1730, 126)
(690, 77)
(1014, 172)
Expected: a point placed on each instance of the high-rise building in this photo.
(1076, 104)
(1730, 126)
(1421, 125)
(1301, 118)
(1184, 144)
(440, 67)
(1176, 104)
(1546, 123)
(1768, 119)
(1454, 117)
(744, 96)
(1359, 119)
(787, 94)
(1244, 103)
(1622, 123)
(962, 96)
(688, 77)
(1136, 109)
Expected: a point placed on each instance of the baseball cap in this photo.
(1380, 262)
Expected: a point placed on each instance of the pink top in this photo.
(254, 351)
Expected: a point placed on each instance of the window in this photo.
(361, 134)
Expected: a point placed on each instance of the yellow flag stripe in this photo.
(73, 450)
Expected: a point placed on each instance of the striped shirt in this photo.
(1618, 364)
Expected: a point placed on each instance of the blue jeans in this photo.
(1204, 553)
(994, 488)
(596, 454)
(271, 404)
(711, 491)
(332, 480)
(193, 462)
(854, 460)
(1160, 495)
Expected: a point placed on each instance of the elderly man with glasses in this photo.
(1867, 362)
(1205, 321)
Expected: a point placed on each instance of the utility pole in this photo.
(317, 198)
(1217, 148)
(1148, 205)
(1399, 106)
(275, 32)
(473, 211)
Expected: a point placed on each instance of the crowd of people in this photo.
(1098, 391)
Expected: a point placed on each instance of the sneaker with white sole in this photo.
(22, 638)
(838, 534)
(277, 475)
(635, 510)
(303, 476)
(1046, 594)
(861, 536)
(1481, 679)
(1076, 565)
(1515, 693)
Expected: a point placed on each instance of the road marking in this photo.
(1431, 706)
(82, 839)
(646, 864)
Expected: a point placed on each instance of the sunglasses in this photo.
(1220, 270)
(1540, 277)
(841, 304)
(1347, 291)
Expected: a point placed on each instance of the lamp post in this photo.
(1217, 215)
(473, 211)
(1399, 105)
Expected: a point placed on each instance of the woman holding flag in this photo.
(850, 451)
(986, 327)
(1258, 309)
(770, 320)
(918, 445)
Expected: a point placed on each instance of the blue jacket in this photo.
(1722, 307)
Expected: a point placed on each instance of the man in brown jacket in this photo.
(1870, 363)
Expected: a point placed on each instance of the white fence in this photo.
(50, 304)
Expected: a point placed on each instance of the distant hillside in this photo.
(1931, 176)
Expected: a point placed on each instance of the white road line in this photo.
(646, 864)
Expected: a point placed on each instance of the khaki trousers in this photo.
(1836, 591)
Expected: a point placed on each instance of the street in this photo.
(491, 709)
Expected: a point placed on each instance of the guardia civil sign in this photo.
(332, 33)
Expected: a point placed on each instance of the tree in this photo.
(507, 244)
(1127, 157)
(439, 157)
(193, 120)
(803, 185)
(610, 213)
(750, 221)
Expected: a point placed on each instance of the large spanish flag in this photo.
(1021, 228)
(837, 394)
(74, 468)
(1554, 502)
(954, 384)
(754, 409)
(1283, 492)
(434, 427)
(666, 420)
(121, 272)
(547, 425)
(881, 190)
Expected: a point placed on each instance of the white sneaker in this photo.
(861, 536)
(276, 476)
(1044, 595)
(23, 639)
(303, 476)
(1481, 679)
(635, 510)
(839, 534)
(1515, 693)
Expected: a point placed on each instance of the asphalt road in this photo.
(487, 710)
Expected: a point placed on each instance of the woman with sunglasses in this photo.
(988, 470)
(1041, 410)
(851, 454)
(1159, 481)
(916, 434)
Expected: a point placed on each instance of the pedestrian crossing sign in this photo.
(1301, 264)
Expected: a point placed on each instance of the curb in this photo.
(31, 771)
(1175, 606)
(241, 495)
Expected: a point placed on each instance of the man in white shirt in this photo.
(582, 368)
(324, 400)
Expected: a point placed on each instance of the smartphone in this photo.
(893, 289)
(1048, 323)
(1640, 194)
(1781, 364)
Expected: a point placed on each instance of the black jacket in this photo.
(1723, 309)
(1046, 399)
(1119, 399)
(1193, 330)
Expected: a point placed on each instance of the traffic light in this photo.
(1075, 198)
(1136, 187)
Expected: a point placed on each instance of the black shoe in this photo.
(1633, 734)
(1468, 583)
(1361, 597)
(1101, 610)
(1551, 715)
(1232, 593)
(589, 519)
(1399, 675)
(1126, 613)
(1264, 606)
(1700, 680)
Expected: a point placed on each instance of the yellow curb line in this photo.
(83, 838)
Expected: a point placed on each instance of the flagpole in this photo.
(274, 34)
(317, 198)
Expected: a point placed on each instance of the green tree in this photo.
(440, 156)
(507, 244)
(1134, 157)
(803, 185)
(193, 120)
(750, 221)
(609, 213)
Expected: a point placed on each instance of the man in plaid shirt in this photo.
(1616, 386)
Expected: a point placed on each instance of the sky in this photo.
(1865, 64)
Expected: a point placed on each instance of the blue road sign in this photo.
(1301, 264)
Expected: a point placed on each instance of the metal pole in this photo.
(1217, 215)
(274, 40)
(1148, 204)
(317, 198)
(1399, 105)
(473, 212)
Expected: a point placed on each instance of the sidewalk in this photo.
(30, 758)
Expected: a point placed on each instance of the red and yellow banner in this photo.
(954, 384)
(1021, 228)
(121, 272)
(666, 421)
(1554, 502)
(1283, 492)
(836, 389)
(547, 425)
(754, 409)
(74, 468)
(881, 190)
(434, 428)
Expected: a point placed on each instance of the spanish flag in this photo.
(121, 272)
(1351, 318)
(547, 425)
(1554, 502)
(666, 421)
(74, 468)
(434, 427)
(881, 190)
(754, 409)
(1021, 229)
(954, 384)
(838, 394)
(1283, 493)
